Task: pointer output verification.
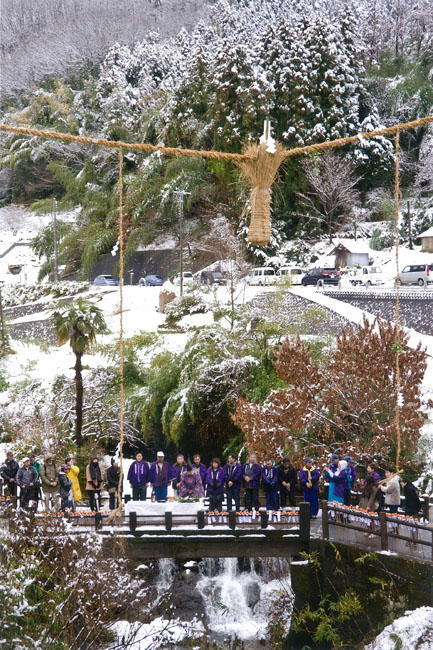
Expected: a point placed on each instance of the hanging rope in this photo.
(121, 331)
(397, 314)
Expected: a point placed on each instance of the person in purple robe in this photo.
(233, 473)
(338, 480)
(215, 478)
(160, 476)
(177, 469)
(309, 477)
(200, 467)
(270, 484)
(252, 473)
(190, 484)
(138, 477)
(351, 480)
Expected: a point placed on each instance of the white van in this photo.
(295, 273)
(420, 274)
(262, 276)
(369, 276)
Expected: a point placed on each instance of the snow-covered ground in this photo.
(413, 631)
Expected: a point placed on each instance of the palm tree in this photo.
(79, 323)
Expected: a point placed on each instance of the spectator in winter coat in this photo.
(160, 476)
(373, 470)
(37, 486)
(252, 474)
(50, 484)
(94, 481)
(412, 502)
(197, 465)
(215, 478)
(113, 478)
(338, 481)
(369, 499)
(138, 477)
(233, 480)
(351, 480)
(27, 476)
(391, 490)
(65, 489)
(287, 481)
(73, 472)
(270, 484)
(328, 473)
(9, 471)
(177, 469)
(190, 484)
(309, 479)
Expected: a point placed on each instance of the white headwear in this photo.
(160, 453)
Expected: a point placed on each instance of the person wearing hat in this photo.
(65, 489)
(160, 476)
(329, 474)
(94, 481)
(309, 477)
(9, 471)
(27, 477)
(49, 483)
(73, 472)
(351, 480)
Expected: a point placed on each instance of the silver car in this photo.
(420, 274)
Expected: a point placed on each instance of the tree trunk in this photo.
(78, 400)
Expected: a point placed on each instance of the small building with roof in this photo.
(351, 252)
(426, 239)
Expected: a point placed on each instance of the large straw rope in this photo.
(397, 314)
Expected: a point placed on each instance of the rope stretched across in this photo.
(397, 313)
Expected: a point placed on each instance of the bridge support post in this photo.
(168, 516)
(98, 521)
(133, 522)
(325, 519)
(200, 519)
(304, 525)
(264, 519)
(384, 544)
(127, 498)
(232, 519)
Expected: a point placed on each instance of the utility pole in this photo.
(409, 225)
(56, 257)
(180, 200)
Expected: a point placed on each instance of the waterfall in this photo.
(238, 594)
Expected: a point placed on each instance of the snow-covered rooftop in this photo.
(426, 233)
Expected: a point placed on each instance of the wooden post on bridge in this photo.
(200, 519)
(133, 522)
(325, 519)
(384, 544)
(232, 519)
(264, 519)
(168, 516)
(98, 521)
(304, 525)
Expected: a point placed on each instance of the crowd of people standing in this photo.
(59, 487)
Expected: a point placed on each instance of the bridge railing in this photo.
(385, 526)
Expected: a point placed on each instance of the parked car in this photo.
(106, 281)
(187, 278)
(321, 276)
(420, 274)
(295, 273)
(212, 277)
(262, 276)
(368, 276)
(152, 280)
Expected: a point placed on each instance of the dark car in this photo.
(212, 277)
(320, 276)
(106, 281)
(152, 280)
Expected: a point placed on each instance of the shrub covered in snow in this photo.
(184, 306)
(20, 294)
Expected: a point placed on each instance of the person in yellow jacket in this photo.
(73, 477)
